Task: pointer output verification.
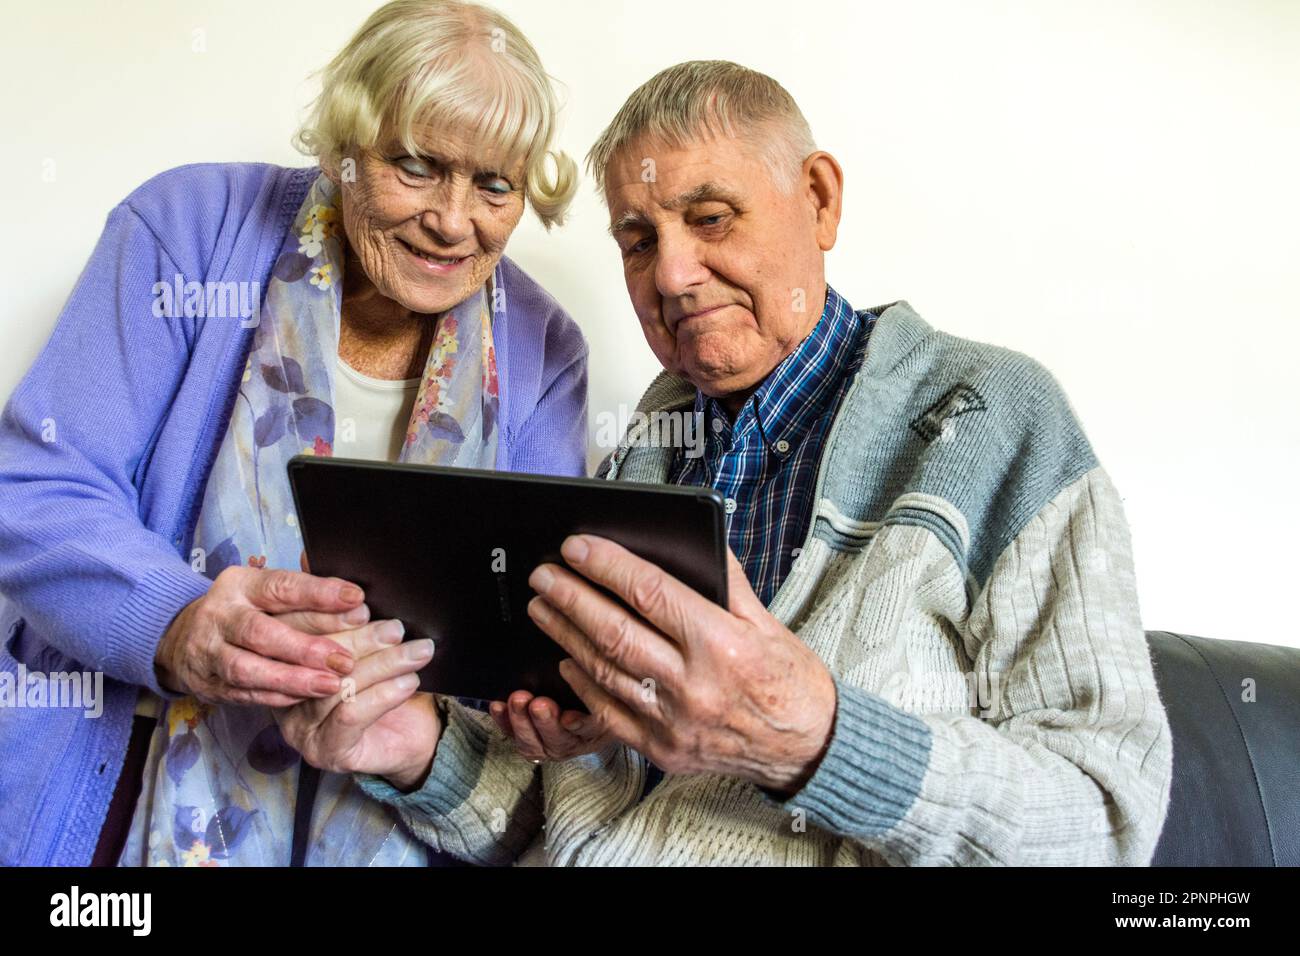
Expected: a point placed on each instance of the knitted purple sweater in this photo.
(105, 447)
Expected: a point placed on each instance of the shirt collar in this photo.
(795, 393)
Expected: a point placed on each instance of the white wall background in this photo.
(1110, 187)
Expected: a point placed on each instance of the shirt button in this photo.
(783, 446)
(731, 505)
(718, 426)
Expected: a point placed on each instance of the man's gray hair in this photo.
(702, 98)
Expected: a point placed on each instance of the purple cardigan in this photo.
(105, 447)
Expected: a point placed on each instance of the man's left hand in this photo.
(694, 687)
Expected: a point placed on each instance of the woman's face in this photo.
(428, 230)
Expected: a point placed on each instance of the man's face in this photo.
(724, 269)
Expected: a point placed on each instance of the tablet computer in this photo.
(448, 552)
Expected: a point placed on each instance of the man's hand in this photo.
(233, 645)
(694, 687)
(541, 732)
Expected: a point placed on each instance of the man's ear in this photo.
(824, 180)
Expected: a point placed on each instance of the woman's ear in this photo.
(329, 166)
(824, 181)
(339, 168)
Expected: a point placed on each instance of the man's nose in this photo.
(449, 217)
(679, 269)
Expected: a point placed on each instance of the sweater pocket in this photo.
(841, 532)
(22, 647)
(11, 626)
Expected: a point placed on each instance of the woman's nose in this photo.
(449, 218)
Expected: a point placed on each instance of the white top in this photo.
(370, 414)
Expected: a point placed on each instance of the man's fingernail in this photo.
(358, 615)
(350, 592)
(419, 650)
(340, 663)
(391, 632)
(573, 725)
(575, 548)
(326, 685)
(408, 681)
(541, 579)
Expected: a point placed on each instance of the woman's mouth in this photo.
(431, 262)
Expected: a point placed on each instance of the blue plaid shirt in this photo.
(765, 462)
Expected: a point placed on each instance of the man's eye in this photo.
(640, 247)
(713, 220)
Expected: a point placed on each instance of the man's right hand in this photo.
(258, 637)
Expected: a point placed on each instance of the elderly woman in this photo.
(233, 316)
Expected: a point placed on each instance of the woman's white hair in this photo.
(717, 98)
(445, 64)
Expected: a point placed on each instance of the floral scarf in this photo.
(220, 781)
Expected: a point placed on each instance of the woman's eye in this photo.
(414, 167)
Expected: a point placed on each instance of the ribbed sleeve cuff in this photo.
(872, 771)
(143, 618)
(457, 765)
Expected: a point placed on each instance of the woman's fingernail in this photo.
(574, 549)
(541, 579)
(350, 592)
(573, 725)
(358, 615)
(391, 632)
(408, 681)
(419, 650)
(340, 663)
(326, 685)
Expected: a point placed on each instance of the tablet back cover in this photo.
(449, 552)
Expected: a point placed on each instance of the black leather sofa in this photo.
(1235, 799)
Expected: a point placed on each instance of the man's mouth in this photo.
(700, 313)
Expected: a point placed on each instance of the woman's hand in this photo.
(235, 645)
(378, 724)
(541, 732)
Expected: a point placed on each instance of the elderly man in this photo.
(933, 653)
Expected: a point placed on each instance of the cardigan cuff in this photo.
(143, 618)
(457, 764)
(872, 771)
